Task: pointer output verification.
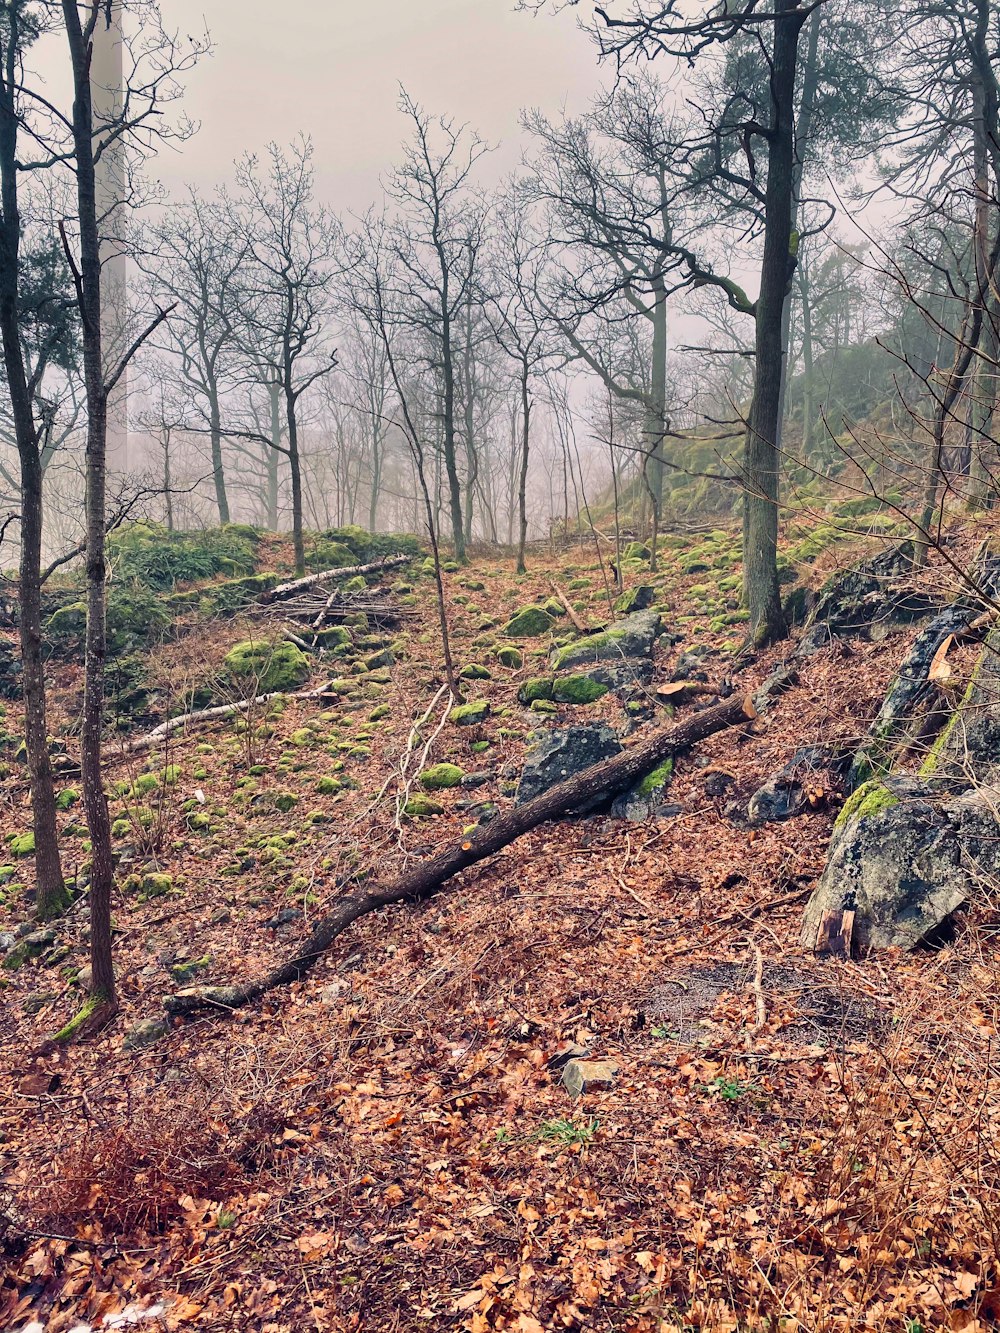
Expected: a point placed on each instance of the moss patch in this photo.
(528, 623)
(440, 776)
(578, 690)
(267, 668)
(869, 800)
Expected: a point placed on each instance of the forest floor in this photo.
(790, 1144)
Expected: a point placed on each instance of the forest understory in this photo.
(784, 1142)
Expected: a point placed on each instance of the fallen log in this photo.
(577, 623)
(607, 778)
(215, 714)
(299, 585)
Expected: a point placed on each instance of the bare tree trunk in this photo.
(218, 471)
(522, 485)
(51, 896)
(102, 987)
(298, 539)
(274, 457)
(762, 460)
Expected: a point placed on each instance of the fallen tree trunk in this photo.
(215, 714)
(299, 585)
(607, 778)
(578, 624)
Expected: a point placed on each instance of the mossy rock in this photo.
(67, 798)
(325, 554)
(470, 714)
(529, 623)
(441, 776)
(334, 636)
(554, 607)
(474, 672)
(578, 690)
(268, 668)
(68, 622)
(544, 706)
(636, 551)
(155, 885)
(182, 972)
(870, 799)
(539, 687)
(23, 845)
(510, 657)
(422, 807)
(636, 599)
(355, 584)
(329, 786)
(656, 780)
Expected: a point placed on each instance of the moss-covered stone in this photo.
(68, 621)
(635, 599)
(656, 780)
(422, 807)
(23, 845)
(355, 584)
(155, 885)
(543, 706)
(510, 657)
(869, 800)
(267, 668)
(528, 623)
(440, 776)
(474, 672)
(470, 714)
(577, 690)
(539, 687)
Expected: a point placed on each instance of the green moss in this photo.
(597, 642)
(510, 657)
(474, 672)
(183, 972)
(470, 714)
(869, 800)
(267, 668)
(934, 755)
(422, 807)
(156, 885)
(329, 786)
(23, 845)
(658, 778)
(381, 713)
(528, 623)
(440, 776)
(285, 801)
(67, 1033)
(67, 621)
(539, 687)
(578, 690)
(544, 706)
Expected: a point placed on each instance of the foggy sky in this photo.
(332, 68)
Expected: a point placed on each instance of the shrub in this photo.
(150, 555)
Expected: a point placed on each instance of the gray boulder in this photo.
(631, 637)
(558, 755)
(786, 794)
(903, 857)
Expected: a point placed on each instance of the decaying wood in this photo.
(216, 714)
(578, 624)
(604, 779)
(284, 590)
(835, 932)
(680, 691)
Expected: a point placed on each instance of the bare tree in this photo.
(284, 291)
(435, 241)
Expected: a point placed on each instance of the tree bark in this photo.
(762, 463)
(310, 580)
(604, 779)
(51, 896)
(522, 481)
(218, 471)
(89, 290)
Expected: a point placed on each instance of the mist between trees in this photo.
(764, 259)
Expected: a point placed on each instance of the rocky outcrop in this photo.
(787, 793)
(627, 639)
(902, 858)
(558, 755)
